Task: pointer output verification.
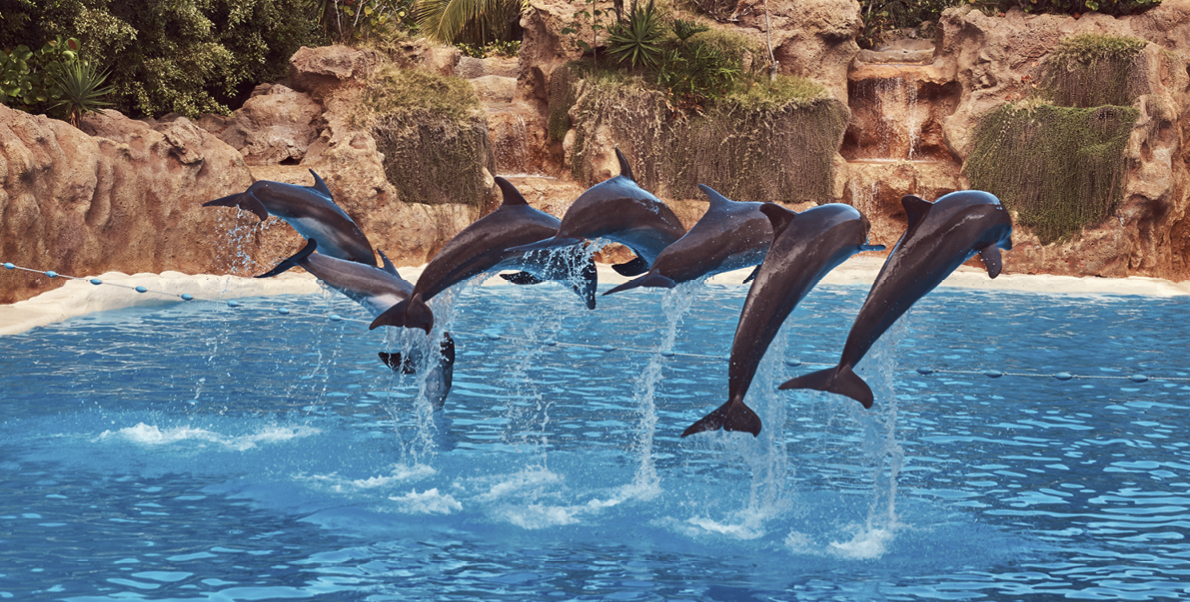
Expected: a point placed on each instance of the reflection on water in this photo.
(199, 452)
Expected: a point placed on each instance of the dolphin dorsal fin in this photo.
(319, 185)
(916, 208)
(625, 169)
(779, 216)
(512, 196)
(718, 201)
(388, 264)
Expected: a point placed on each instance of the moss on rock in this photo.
(1091, 70)
(1060, 169)
(771, 143)
(433, 134)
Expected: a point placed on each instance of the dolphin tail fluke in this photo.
(292, 262)
(244, 200)
(410, 313)
(731, 416)
(397, 363)
(636, 267)
(652, 280)
(841, 380)
(587, 283)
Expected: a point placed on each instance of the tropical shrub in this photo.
(476, 22)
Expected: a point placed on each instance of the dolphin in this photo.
(619, 210)
(940, 237)
(311, 211)
(729, 236)
(806, 246)
(488, 244)
(376, 290)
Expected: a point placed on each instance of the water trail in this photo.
(529, 426)
(675, 303)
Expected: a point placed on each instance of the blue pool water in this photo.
(200, 452)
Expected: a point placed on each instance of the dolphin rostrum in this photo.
(729, 236)
(376, 290)
(618, 210)
(940, 237)
(311, 211)
(806, 246)
(488, 244)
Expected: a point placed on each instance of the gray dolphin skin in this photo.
(729, 236)
(806, 246)
(618, 210)
(376, 290)
(309, 210)
(489, 244)
(940, 237)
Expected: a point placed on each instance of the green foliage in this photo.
(507, 49)
(28, 78)
(81, 90)
(1090, 70)
(883, 16)
(475, 22)
(586, 19)
(1107, 7)
(696, 70)
(683, 29)
(184, 56)
(637, 41)
(1059, 168)
(349, 21)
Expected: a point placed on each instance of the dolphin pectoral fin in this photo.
(625, 169)
(731, 416)
(916, 208)
(636, 267)
(840, 379)
(991, 260)
(397, 363)
(244, 200)
(522, 278)
(648, 280)
(292, 262)
(752, 276)
(871, 248)
(320, 186)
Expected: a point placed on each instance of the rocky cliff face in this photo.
(126, 195)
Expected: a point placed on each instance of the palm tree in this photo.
(472, 21)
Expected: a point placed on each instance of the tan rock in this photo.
(271, 128)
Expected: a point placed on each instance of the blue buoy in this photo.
(336, 317)
(51, 274)
(283, 311)
(233, 303)
(1138, 378)
(793, 363)
(187, 297)
(141, 289)
(608, 348)
(924, 370)
(96, 281)
(493, 336)
(993, 373)
(9, 266)
(1063, 376)
(550, 343)
(667, 353)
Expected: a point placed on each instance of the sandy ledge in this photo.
(80, 297)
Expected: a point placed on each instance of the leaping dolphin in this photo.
(806, 246)
(729, 236)
(940, 237)
(377, 290)
(618, 210)
(489, 244)
(311, 211)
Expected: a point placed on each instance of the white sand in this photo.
(79, 297)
